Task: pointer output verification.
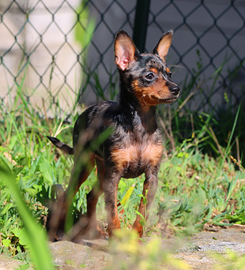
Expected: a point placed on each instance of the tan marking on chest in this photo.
(122, 157)
(131, 156)
(152, 153)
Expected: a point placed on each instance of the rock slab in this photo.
(70, 256)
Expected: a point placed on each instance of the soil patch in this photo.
(197, 251)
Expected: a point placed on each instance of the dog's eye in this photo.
(150, 76)
(169, 72)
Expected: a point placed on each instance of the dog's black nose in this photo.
(174, 89)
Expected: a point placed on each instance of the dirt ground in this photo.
(197, 251)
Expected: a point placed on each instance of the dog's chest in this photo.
(137, 157)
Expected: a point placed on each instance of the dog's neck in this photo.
(133, 110)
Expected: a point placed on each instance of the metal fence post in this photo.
(140, 23)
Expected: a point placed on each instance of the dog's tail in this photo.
(62, 146)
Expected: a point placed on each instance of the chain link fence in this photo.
(57, 49)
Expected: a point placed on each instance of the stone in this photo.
(70, 256)
(7, 263)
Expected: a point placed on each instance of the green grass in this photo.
(201, 178)
(31, 233)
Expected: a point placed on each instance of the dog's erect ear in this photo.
(124, 50)
(163, 45)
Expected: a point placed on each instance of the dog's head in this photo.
(146, 74)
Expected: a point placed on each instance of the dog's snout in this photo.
(174, 89)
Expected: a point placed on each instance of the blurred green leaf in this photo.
(46, 170)
(6, 242)
(33, 234)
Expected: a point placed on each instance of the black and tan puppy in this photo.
(134, 146)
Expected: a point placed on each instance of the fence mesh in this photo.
(57, 49)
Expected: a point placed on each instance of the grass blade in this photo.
(35, 235)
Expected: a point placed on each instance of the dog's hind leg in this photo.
(61, 207)
(90, 226)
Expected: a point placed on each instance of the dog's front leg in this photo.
(110, 187)
(149, 191)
